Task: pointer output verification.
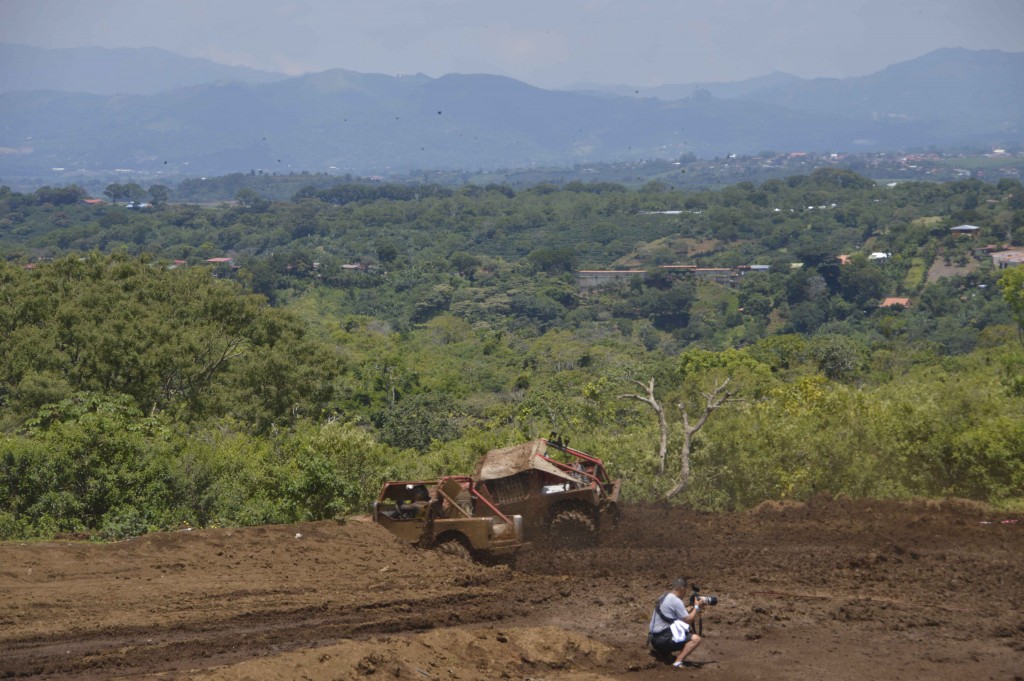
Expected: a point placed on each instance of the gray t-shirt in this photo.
(673, 607)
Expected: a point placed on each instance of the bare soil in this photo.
(828, 590)
(940, 270)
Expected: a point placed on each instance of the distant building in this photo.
(964, 229)
(1010, 258)
(727, 276)
(895, 302)
(879, 256)
(591, 279)
(721, 275)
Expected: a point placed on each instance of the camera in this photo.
(695, 597)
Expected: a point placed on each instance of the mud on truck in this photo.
(449, 515)
(561, 493)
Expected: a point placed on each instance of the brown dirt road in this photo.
(829, 590)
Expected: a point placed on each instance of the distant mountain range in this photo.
(731, 90)
(228, 120)
(117, 71)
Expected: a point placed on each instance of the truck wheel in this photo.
(573, 529)
(616, 514)
(453, 547)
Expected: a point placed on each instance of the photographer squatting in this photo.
(671, 629)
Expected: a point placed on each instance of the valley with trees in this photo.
(264, 322)
(369, 331)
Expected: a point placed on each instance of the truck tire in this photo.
(573, 529)
(615, 514)
(453, 547)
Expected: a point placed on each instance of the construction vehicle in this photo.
(560, 492)
(448, 515)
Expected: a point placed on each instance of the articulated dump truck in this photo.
(539, 490)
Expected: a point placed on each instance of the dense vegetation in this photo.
(369, 331)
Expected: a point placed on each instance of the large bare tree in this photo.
(649, 399)
(712, 400)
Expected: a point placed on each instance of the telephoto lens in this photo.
(709, 600)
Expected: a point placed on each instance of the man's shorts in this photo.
(663, 643)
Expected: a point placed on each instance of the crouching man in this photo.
(671, 629)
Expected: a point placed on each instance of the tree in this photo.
(387, 252)
(464, 263)
(158, 195)
(553, 260)
(712, 401)
(418, 420)
(176, 341)
(251, 200)
(861, 281)
(649, 399)
(669, 309)
(1012, 283)
(839, 358)
(115, 192)
(60, 196)
(807, 316)
(134, 192)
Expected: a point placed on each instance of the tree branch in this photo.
(650, 400)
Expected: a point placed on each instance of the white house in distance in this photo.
(964, 229)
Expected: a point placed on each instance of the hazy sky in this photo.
(548, 43)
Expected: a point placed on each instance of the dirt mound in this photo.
(217, 595)
(826, 589)
(492, 653)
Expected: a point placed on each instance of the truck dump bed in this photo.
(502, 463)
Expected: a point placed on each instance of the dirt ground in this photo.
(940, 270)
(828, 590)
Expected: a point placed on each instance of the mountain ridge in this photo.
(111, 71)
(372, 123)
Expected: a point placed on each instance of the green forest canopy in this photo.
(370, 332)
